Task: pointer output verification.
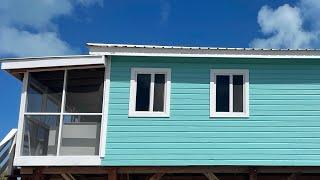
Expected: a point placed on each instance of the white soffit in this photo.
(56, 61)
(182, 51)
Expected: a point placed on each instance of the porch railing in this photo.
(7, 151)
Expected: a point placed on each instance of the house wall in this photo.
(283, 127)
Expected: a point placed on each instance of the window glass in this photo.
(40, 137)
(222, 93)
(143, 92)
(80, 135)
(237, 93)
(84, 92)
(44, 92)
(159, 83)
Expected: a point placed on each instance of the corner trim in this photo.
(104, 125)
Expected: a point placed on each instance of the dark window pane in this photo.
(84, 93)
(238, 93)
(80, 135)
(44, 91)
(222, 95)
(158, 102)
(40, 136)
(143, 92)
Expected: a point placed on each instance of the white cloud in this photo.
(90, 2)
(27, 27)
(24, 43)
(33, 13)
(311, 12)
(285, 26)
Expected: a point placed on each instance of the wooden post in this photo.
(157, 176)
(112, 174)
(253, 174)
(211, 176)
(67, 176)
(37, 174)
(293, 176)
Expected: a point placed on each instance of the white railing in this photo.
(7, 151)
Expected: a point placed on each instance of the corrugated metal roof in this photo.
(193, 47)
(184, 51)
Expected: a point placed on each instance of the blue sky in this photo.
(58, 27)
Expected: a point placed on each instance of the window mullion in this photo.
(231, 93)
(82, 114)
(44, 102)
(26, 91)
(41, 113)
(151, 93)
(62, 110)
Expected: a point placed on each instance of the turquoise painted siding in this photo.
(283, 127)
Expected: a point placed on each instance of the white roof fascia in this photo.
(53, 61)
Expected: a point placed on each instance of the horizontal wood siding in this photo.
(283, 127)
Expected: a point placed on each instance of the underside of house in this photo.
(172, 173)
(135, 112)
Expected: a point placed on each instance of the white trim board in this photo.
(40, 62)
(8, 137)
(133, 89)
(57, 161)
(229, 72)
(105, 105)
(21, 116)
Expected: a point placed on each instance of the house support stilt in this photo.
(253, 175)
(211, 176)
(157, 176)
(293, 176)
(112, 174)
(38, 174)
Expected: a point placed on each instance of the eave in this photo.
(182, 51)
(52, 61)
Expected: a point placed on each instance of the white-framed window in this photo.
(229, 93)
(150, 92)
(63, 112)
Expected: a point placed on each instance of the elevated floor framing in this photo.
(173, 173)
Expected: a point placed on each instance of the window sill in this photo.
(229, 115)
(57, 161)
(148, 114)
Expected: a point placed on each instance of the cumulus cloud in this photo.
(24, 43)
(90, 2)
(27, 27)
(33, 13)
(289, 26)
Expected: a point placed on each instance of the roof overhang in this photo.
(16, 66)
(47, 62)
(181, 51)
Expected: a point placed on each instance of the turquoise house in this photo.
(166, 112)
